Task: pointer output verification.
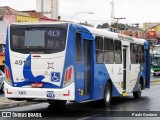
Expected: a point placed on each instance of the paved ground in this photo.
(122, 108)
(6, 103)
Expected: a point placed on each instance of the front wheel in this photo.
(107, 95)
(137, 94)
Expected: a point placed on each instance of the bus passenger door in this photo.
(124, 69)
(87, 67)
(83, 66)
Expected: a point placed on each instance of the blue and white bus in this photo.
(61, 62)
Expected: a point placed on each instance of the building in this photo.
(49, 8)
(40, 16)
(153, 32)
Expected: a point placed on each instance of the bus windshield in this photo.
(38, 39)
(156, 61)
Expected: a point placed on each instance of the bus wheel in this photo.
(107, 95)
(57, 103)
(137, 94)
(154, 74)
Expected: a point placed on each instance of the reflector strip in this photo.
(68, 94)
(8, 92)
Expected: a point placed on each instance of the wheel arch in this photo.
(141, 81)
(110, 82)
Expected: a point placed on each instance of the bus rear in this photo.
(34, 63)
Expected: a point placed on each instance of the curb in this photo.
(13, 104)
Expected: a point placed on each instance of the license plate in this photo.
(37, 85)
(50, 95)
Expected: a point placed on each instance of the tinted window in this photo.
(118, 52)
(109, 57)
(78, 48)
(108, 44)
(137, 53)
(99, 49)
(38, 39)
(141, 53)
(99, 43)
(108, 51)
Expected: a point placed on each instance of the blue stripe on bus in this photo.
(7, 57)
(28, 75)
(102, 75)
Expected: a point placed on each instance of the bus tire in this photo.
(107, 95)
(137, 94)
(57, 103)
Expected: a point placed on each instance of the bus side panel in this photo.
(144, 70)
(147, 56)
(69, 59)
(101, 77)
(9, 78)
(140, 74)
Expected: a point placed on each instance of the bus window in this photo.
(117, 48)
(108, 51)
(134, 53)
(38, 39)
(99, 49)
(78, 48)
(141, 54)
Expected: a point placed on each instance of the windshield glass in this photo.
(156, 48)
(38, 39)
(156, 61)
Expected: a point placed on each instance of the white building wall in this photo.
(49, 8)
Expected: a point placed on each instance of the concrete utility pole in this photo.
(117, 21)
(112, 12)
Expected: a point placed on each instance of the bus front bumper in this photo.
(67, 93)
(155, 72)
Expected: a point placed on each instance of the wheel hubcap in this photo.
(107, 95)
(139, 89)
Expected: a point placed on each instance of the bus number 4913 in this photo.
(20, 62)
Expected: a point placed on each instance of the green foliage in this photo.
(121, 26)
(104, 25)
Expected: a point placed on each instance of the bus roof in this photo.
(99, 32)
(108, 34)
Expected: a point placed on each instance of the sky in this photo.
(134, 11)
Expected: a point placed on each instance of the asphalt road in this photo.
(155, 77)
(92, 110)
(1, 94)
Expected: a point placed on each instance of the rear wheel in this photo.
(107, 95)
(2, 88)
(137, 94)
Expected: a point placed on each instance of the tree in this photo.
(121, 26)
(99, 26)
(104, 25)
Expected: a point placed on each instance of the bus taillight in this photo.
(68, 75)
(8, 75)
